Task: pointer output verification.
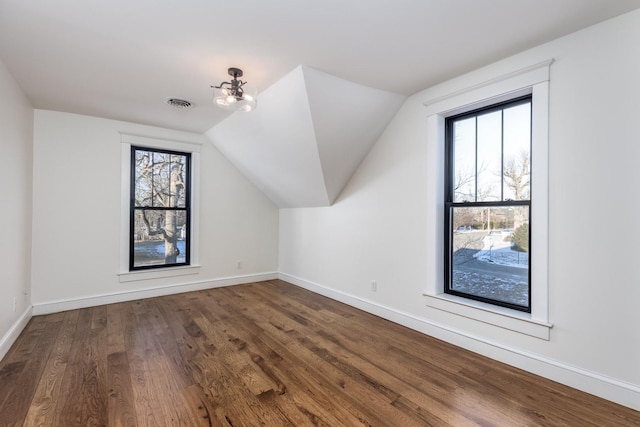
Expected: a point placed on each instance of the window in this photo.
(160, 208)
(472, 94)
(187, 262)
(487, 204)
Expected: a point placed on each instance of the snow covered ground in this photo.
(510, 290)
(494, 272)
(499, 252)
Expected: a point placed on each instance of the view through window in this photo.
(487, 205)
(160, 208)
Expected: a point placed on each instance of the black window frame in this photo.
(133, 208)
(450, 204)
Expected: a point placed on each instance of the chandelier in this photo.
(233, 96)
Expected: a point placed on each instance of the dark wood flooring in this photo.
(267, 354)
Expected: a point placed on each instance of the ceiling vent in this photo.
(178, 103)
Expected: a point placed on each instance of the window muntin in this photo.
(487, 204)
(160, 208)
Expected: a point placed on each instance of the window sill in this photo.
(497, 316)
(133, 276)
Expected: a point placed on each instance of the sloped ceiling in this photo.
(308, 135)
(120, 59)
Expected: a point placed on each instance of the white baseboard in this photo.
(593, 383)
(95, 300)
(14, 332)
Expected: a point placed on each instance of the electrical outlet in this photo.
(239, 264)
(374, 286)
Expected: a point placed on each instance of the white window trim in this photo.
(532, 80)
(127, 140)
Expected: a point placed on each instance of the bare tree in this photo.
(160, 183)
(463, 189)
(465, 185)
(517, 178)
(517, 175)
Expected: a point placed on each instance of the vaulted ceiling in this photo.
(308, 136)
(120, 59)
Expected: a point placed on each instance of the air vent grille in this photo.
(178, 103)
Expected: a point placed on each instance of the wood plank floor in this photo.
(267, 354)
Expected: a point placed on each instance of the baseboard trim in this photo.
(599, 385)
(95, 300)
(14, 332)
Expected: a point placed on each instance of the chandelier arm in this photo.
(222, 85)
(232, 95)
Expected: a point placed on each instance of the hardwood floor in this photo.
(267, 354)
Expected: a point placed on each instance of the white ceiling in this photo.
(119, 59)
(308, 136)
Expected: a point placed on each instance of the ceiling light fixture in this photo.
(233, 96)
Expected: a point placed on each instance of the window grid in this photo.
(450, 197)
(140, 209)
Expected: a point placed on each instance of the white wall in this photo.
(76, 221)
(16, 127)
(376, 230)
